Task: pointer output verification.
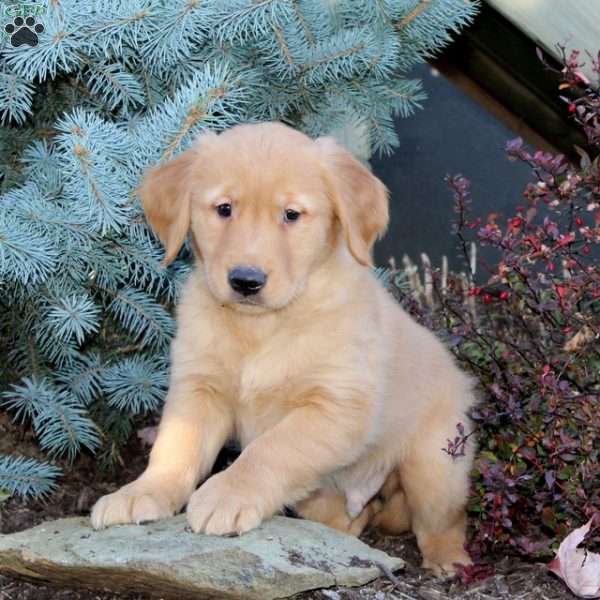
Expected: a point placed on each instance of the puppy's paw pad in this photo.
(149, 508)
(233, 522)
(218, 508)
(229, 521)
(110, 510)
(126, 506)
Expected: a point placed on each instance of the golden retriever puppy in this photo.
(287, 342)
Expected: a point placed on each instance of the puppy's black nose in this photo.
(247, 280)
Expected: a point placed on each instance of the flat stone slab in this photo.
(279, 559)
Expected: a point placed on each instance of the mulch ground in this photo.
(506, 578)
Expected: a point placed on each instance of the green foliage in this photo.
(114, 86)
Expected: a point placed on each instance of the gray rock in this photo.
(279, 559)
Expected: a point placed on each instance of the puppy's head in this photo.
(266, 205)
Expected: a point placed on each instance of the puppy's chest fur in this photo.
(265, 377)
(265, 382)
(265, 367)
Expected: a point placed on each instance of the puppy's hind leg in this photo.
(394, 516)
(436, 487)
(329, 507)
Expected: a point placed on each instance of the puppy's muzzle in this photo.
(247, 281)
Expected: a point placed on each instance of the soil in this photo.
(501, 578)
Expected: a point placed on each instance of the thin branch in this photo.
(411, 16)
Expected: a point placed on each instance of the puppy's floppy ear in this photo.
(166, 193)
(360, 199)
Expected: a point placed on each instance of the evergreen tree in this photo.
(92, 92)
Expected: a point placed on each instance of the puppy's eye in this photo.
(290, 215)
(224, 210)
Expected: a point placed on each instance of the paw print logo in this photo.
(24, 31)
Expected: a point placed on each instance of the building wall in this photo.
(452, 134)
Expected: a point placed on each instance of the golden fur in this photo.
(341, 402)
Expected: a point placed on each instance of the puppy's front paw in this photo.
(133, 503)
(220, 507)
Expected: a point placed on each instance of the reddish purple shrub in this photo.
(531, 334)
